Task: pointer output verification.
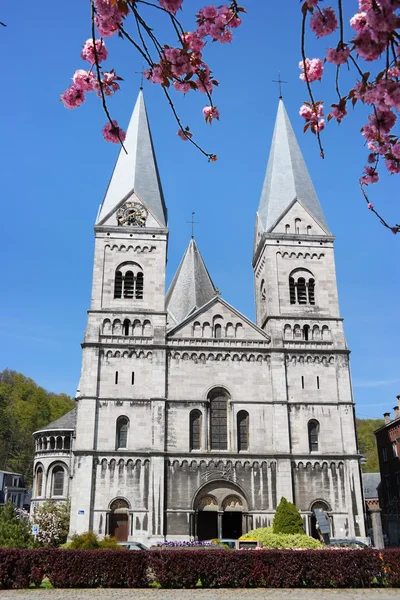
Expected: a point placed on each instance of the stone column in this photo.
(377, 527)
(220, 525)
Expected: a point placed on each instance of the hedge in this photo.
(212, 568)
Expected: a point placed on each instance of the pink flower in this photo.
(393, 166)
(171, 6)
(182, 86)
(306, 112)
(194, 41)
(85, 80)
(367, 46)
(320, 125)
(312, 3)
(338, 112)
(210, 113)
(396, 150)
(314, 69)
(337, 56)
(370, 206)
(382, 120)
(371, 158)
(88, 52)
(108, 17)
(109, 81)
(73, 96)
(209, 12)
(323, 22)
(358, 21)
(113, 133)
(370, 176)
(185, 135)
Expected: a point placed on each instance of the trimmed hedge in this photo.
(213, 568)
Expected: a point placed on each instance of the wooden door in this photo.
(119, 526)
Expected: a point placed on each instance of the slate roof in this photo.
(136, 171)
(371, 482)
(191, 287)
(286, 177)
(67, 421)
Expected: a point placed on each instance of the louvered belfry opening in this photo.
(301, 291)
(139, 286)
(118, 285)
(311, 291)
(128, 284)
(292, 291)
(302, 287)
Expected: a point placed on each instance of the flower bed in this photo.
(212, 568)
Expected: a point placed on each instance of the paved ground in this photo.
(225, 594)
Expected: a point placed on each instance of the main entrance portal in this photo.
(219, 511)
(119, 520)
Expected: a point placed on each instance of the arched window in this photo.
(306, 330)
(195, 429)
(243, 430)
(287, 228)
(118, 285)
(297, 225)
(218, 420)
(313, 432)
(128, 284)
(39, 481)
(67, 442)
(122, 432)
(52, 443)
(301, 287)
(129, 281)
(125, 327)
(139, 286)
(217, 330)
(58, 481)
(59, 443)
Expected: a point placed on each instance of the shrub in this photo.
(391, 568)
(287, 518)
(15, 529)
(53, 520)
(90, 541)
(20, 568)
(269, 539)
(97, 568)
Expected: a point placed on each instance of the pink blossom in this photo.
(396, 150)
(185, 135)
(338, 112)
(370, 176)
(210, 113)
(109, 81)
(88, 52)
(306, 112)
(194, 41)
(108, 17)
(323, 22)
(358, 21)
(370, 206)
(368, 46)
(371, 158)
(382, 120)
(113, 133)
(393, 166)
(320, 125)
(312, 3)
(338, 56)
(85, 80)
(73, 96)
(182, 86)
(314, 68)
(171, 6)
(209, 12)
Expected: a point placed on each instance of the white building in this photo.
(191, 420)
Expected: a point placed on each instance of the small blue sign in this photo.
(81, 512)
(35, 529)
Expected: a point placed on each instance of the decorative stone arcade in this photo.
(220, 511)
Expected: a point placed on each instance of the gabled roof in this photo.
(203, 309)
(136, 169)
(67, 421)
(286, 177)
(191, 287)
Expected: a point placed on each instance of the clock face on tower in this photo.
(132, 214)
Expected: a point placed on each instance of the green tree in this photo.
(287, 519)
(15, 529)
(367, 443)
(25, 407)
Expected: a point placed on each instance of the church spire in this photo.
(136, 169)
(191, 287)
(287, 177)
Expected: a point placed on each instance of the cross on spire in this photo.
(193, 223)
(141, 78)
(280, 81)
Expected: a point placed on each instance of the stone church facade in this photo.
(192, 421)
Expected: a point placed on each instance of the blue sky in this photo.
(55, 169)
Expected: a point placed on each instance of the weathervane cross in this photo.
(280, 81)
(193, 223)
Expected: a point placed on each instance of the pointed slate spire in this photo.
(192, 286)
(287, 177)
(136, 171)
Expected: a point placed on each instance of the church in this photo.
(191, 421)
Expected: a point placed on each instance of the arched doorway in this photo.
(316, 507)
(220, 509)
(119, 519)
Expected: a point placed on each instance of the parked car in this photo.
(229, 542)
(133, 546)
(347, 543)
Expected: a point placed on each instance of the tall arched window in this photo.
(195, 429)
(218, 420)
(217, 330)
(122, 432)
(58, 481)
(39, 481)
(128, 284)
(311, 291)
(292, 291)
(243, 430)
(125, 327)
(313, 432)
